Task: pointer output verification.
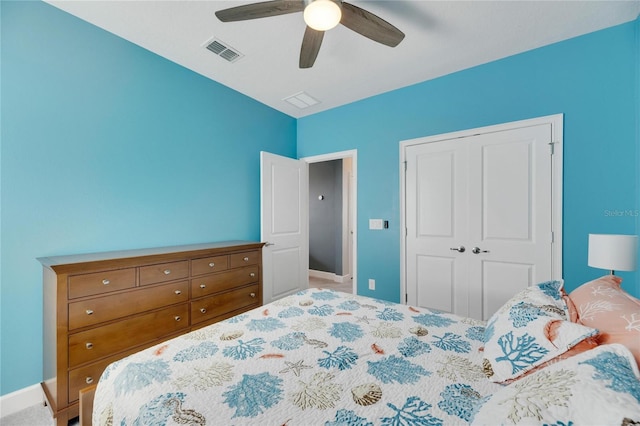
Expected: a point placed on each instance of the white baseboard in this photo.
(21, 399)
(329, 276)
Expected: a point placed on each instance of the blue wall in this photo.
(592, 79)
(106, 146)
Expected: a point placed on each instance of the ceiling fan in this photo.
(320, 16)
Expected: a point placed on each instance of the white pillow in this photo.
(532, 328)
(597, 387)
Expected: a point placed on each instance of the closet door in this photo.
(436, 205)
(478, 217)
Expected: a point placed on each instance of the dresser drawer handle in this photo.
(211, 265)
(202, 286)
(177, 318)
(89, 345)
(246, 259)
(253, 274)
(89, 380)
(89, 312)
(252, 295)
(106, 282)
(203, 310)
(178, 292)
(167, 271)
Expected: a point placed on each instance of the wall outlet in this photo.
(372, 284)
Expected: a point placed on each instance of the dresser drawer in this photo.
(82, 377)
(101, 282)
(109, 339)
(239, 260)
(220, 304)
(209, 284)
(94, 311)
(164, 272)
(208, 265)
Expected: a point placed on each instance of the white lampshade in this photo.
(613, 252)
(322, 15)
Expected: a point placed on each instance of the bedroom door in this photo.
(479, 218)
(284, 205)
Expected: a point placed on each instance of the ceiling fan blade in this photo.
(370, 25)
(260, 10)
(310, 47)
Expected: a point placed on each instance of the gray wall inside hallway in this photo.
(325, 216)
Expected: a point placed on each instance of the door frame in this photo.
(556, 122)
(353, 203)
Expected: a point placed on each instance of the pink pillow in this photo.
(604, 305)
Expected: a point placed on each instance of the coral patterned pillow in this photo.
(529, 331)
(604, 305)
(597, 387)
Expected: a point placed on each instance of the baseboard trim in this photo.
(21, 399)
(329, 276)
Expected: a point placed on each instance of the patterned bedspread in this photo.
(315, 358)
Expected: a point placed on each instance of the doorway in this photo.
(338, 232)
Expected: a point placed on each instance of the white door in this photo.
(479, 219)
(436, 189)
(284, 205)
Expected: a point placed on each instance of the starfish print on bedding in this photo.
(295, 367)
(364, 319)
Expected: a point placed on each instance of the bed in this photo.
(322, 357)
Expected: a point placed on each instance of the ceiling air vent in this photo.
(301, 100)
(223, 50)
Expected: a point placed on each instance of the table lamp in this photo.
(613, 252)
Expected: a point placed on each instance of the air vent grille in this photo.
(301, 100)
(223, 50)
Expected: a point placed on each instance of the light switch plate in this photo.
(375, 223)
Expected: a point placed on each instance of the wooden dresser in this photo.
(101, 307)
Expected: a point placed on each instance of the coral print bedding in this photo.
(596, 387)
(321, 357)
(315, 358)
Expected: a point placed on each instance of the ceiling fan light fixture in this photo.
(322, 15)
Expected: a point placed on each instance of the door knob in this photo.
(477, 250)
(460, 249)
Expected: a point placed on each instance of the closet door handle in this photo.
(477, 250)
(460, 249)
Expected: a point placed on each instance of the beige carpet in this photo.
(38, 415)
(323, 283)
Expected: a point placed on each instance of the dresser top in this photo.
(66, 263)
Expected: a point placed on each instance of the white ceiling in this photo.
(441, 37)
